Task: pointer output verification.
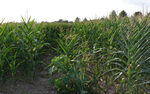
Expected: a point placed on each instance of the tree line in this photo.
(112, 15)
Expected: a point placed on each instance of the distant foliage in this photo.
(62, 21)
(85, 20)
(77, 19)
(138, 13)
(65, 21)
(102, 19)
(113, 15)
(123, 13)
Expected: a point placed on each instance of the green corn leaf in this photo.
(4, 29)
(5, 39)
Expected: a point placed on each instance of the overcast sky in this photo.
(53, 10)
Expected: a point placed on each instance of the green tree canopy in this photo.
(102, 19)
(77, 19)
(113, 14)
(85, 19)
(138, 13)
(60, 20)
(122, 14)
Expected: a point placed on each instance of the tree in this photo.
(77, 19)
(113, 15)
(122, 14)
(138, 13)
(70, 22)
(102, 19)
(85, 20)
(66, 21)
(60, 20)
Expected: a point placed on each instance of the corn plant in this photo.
(29, 43)
(65, 65)
(4, 36)
(72, 44)
(133, 69)
(21, 46)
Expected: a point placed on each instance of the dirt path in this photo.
(31, 87)
(37, 87)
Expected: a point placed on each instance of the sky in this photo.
(53, 10)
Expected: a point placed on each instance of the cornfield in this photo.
(88, 53)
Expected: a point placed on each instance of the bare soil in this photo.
(41, 86)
